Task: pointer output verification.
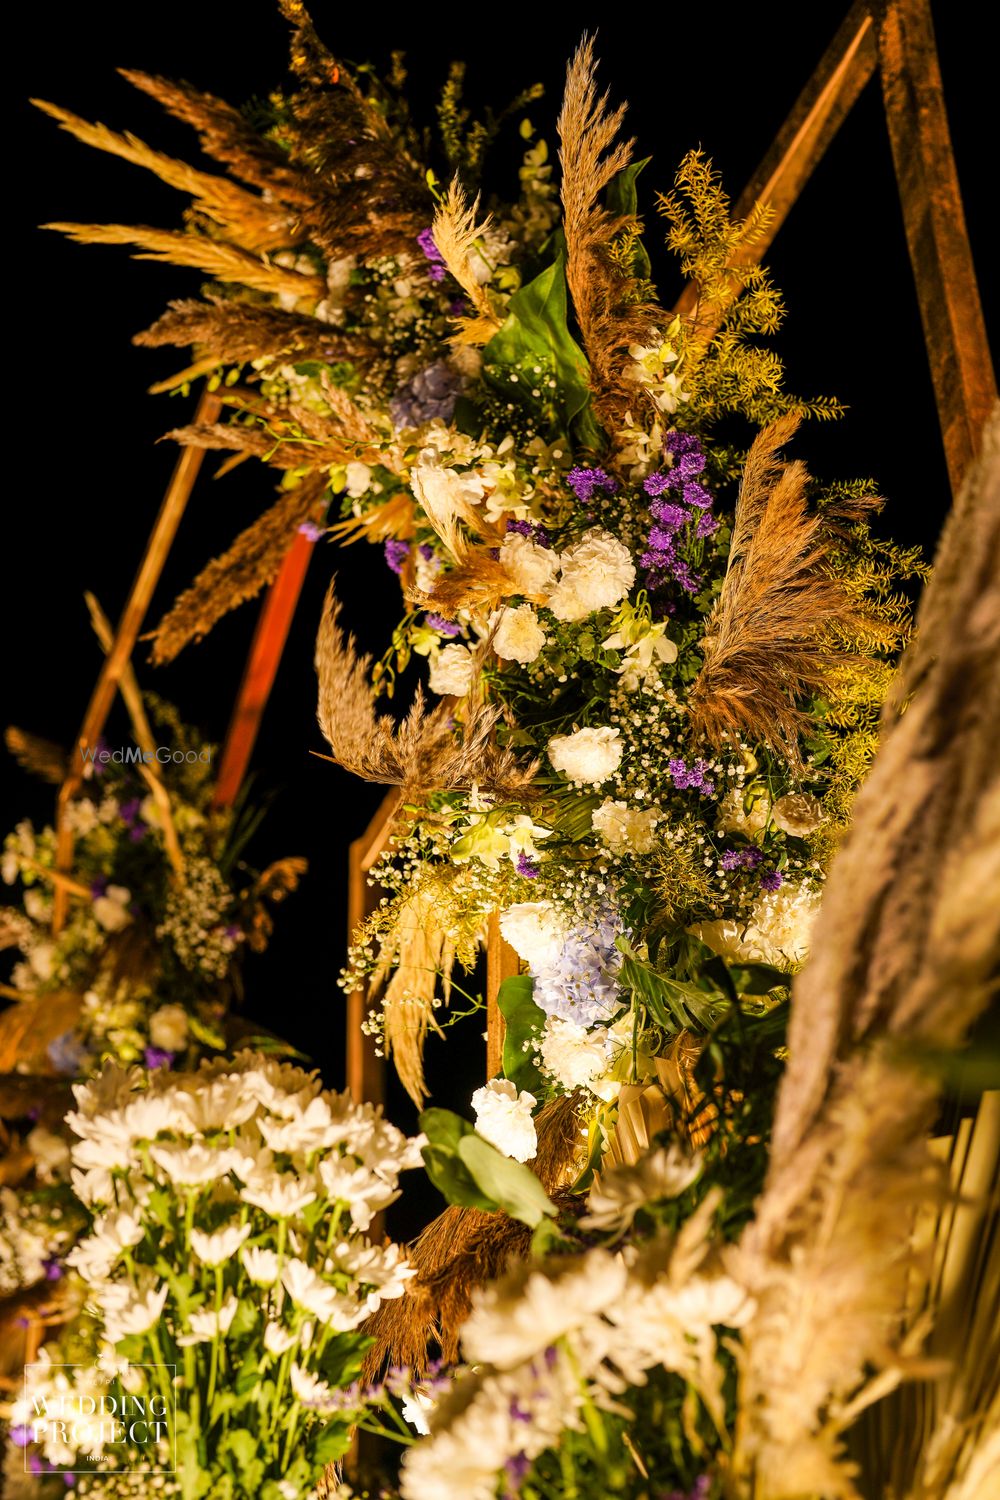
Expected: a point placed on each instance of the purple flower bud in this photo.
(396, 553)
(771, 880)
(311, 530)
(443, 626)
(157, 1057)
(525, 867)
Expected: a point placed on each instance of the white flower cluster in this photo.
(545, 1342)
(777, 931)
(503, 1117)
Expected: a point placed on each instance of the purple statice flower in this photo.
(531, 531)
(691, 778)
(20, 1435)
(585, 483)
(741, 859)
(312, 530)
(525, 867)
(137, 833)
(436, 269)
(426, 551)
(655, 484)
(396, 553)
(430, 394)
(516, 1471)
(771, 880)
(458, 306)
(157, 1057)
(443, 626)
(53, 1270)
(697, 495)
(129, 811)
(98, 886)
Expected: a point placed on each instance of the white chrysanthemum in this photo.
(797, 814)
(587, 755)
(128, 1311)
(451, 671)
(503, 1117)
(278, 1340)
(262, 1266)
(623, 827)
(50, 1152)
(518, 636)
(777, 932)
(281, 1197)
(168, 1028)
(207, 1324)
(619, 1193)
(533, 568)
(214, 1249)
(516, 1318)
(597, 573)
(571, 1054)
(534, 931)
(309, 1389)
(442, 492)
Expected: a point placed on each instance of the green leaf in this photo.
(673, 1003)
(524, 1021)
(623, 199)
(512, 1186)
(241, 1447)
(332, 1443)
(536, 335)
(444, 1128)
(453, 1179)
(758, 979)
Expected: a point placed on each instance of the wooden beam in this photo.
(365, 1071)
(157, 550)
(261, 668)
(952, 315)
(815, 118)
(501, 963)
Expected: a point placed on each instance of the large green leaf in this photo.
(453, 1180)
(535, 346)
(513, 1187)
(674, 1004)
(622, 198)
(524, 1021)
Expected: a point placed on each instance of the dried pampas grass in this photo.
(418, 950)
(455, 232)
(424, 752)
(769, 639)
(905, 956)
(251, 563)
(612, 310)
(41, 757)
(234, 331)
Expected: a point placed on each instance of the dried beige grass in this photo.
(417, 951)
(39, 756)
(455, 232)
(905, 956)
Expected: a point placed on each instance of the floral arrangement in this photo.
(656, 654)
(228, 1240)
(161, 910)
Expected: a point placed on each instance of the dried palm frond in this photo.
(250, 222)
(215, 257)
(227, 136)
(250, 564)
(769, 637)
(904, 959)
(455, 232)
(465, 1247)
(422, 753)
(417, 949)
(235, 332)
(41, 757)
(611, 308)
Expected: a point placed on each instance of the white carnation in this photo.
(597, 573)
(168, 1027)
(777, 933)
(518, 637)
(451, 671)
(534, 931)
(359, 478)
(587, 755)
(571, 1054)
(797, 814)
(532, 567)
(624, 827)
(503, 1117)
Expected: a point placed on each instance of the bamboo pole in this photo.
(115, 662)
(501, 963)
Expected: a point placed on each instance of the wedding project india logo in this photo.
(77, 1419)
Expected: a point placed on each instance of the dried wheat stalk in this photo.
(455, 232)
(235, 332)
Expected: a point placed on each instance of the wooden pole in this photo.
(814, 120)
(365, 1071)
(157, 550)
(262, 666)
(501, 963)
(950, 309)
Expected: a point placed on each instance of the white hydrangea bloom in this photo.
(451, 671)
(503, 1117)
(597, 573)
(518, 635)
(587, 755)
(623, 827)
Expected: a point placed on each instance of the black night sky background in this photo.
(91, 473)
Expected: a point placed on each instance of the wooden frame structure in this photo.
(894, 38)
